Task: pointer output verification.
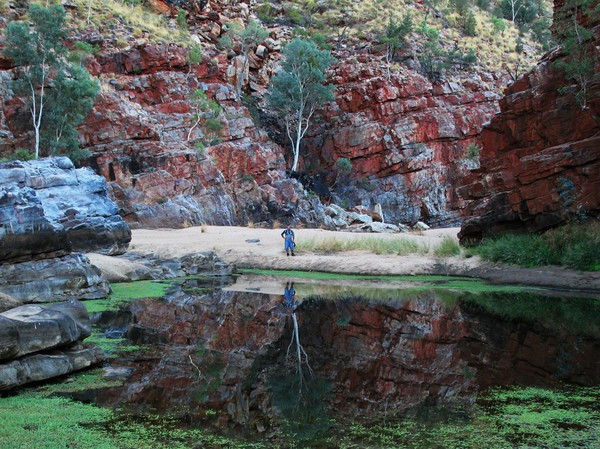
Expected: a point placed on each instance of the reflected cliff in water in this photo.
(257, 358)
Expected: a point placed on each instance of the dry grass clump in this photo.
(379, 246)
(112, 15)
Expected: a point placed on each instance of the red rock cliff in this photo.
(540, 162)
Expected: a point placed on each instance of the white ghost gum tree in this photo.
(298, 89)
(35, 51)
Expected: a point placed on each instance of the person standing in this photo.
(289, 240)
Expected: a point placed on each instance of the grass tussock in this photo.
(379, 246)
(574, 246)
(138, 18)
(447, 248)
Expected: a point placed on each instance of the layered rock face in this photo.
(540, 162)
(48, 210)
(405, 138)
(48, 207)
(39, 343)
(145, 144)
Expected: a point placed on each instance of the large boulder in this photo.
(43, 342)
(49, 208)
(32, 328)
(49, 280)
(39, 367)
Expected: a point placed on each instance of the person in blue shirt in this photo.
(288, 237)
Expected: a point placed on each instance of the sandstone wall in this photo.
(406, 138)
(540, 162)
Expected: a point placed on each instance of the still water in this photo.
(268, 358)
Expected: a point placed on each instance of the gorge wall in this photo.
(540, 161)
(405, 138)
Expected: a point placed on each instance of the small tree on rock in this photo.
(298, 89)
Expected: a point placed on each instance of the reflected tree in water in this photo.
(296, 391)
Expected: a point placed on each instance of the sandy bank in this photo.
(263, 248)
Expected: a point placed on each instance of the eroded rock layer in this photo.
(49, 208)
(540, 162)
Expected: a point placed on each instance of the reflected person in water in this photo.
(289, 295)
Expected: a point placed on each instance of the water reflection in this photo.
(262, 359)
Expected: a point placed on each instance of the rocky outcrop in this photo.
(540, 161)
(30, 338)
(40, 367)
(54, 279)
(406, 138)
(49, 208)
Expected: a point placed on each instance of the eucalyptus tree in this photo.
(58, 94)
(581, 56)
(298, 89)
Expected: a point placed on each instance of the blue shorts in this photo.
(289, 245)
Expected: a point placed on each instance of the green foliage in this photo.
(182, 18)
(499, 25)
(519, 11)
(472, 152)
(575, 246)
(206, 112)
(344, 165)
(470, 24)
(40, 55)
(483, 4)
(266, 12)
(541, 32)
(194, 56)
(519, 44)
(298, 89)
(581, 56)
(68, 103)
(460, 6)
(246, 39)
(395, 35)
(448, 247)
(21, 154)
(435, 61)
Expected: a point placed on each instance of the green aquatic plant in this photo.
(517, 417)
(123, 292)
